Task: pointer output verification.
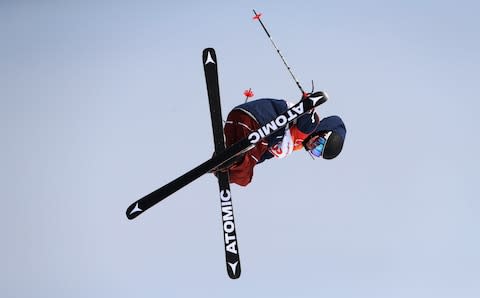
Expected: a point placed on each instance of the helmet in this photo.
(328, 138)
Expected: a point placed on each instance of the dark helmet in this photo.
(334, 131)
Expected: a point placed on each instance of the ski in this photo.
(306, 104)
(210, 66)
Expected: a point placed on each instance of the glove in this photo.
(228, 164)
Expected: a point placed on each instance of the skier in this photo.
(321, 138)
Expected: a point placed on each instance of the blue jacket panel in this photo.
(263, 111)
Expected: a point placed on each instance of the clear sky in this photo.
(104, 101)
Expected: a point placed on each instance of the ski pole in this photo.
(257, 17)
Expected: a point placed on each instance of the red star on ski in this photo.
(257, 16)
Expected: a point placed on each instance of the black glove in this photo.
(228, 164)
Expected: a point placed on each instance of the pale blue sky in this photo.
(104, 101)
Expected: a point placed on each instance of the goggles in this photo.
(319, 145)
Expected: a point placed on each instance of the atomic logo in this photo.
(233, 266)
(316, 98)
(209, 59)
(277, 123)
(135, 209)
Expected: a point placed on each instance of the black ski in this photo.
(307, 103)
(232, 256)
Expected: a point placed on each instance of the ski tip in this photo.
(318, 98)
(234, 276)
(133, 211)
(209, 56)
(234, 270)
